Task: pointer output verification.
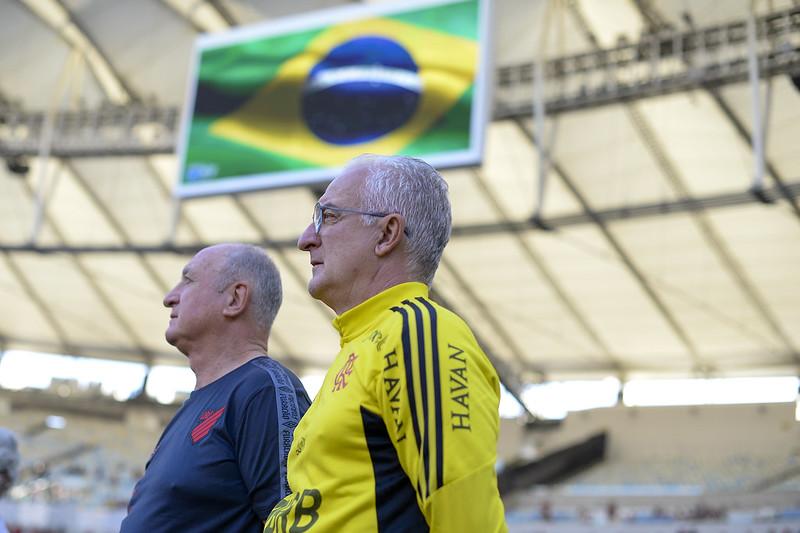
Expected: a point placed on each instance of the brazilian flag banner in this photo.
(291, 101)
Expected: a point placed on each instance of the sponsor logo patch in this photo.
(207, 421)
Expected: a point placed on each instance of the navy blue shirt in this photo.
(220, 464)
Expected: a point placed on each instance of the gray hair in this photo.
(245, 262)
(415, 190)
(9, 459)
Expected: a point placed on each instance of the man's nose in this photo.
(171, 298)
(308, 239)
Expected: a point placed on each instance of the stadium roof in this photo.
(642, 252)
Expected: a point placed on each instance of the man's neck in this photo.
(208, 368)
(376, 285)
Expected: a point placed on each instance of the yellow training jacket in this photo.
(403, 433)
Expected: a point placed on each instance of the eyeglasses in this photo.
(320, 210)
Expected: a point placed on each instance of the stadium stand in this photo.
(732, 466)
(665, 467)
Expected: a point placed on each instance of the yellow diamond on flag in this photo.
(273, 118)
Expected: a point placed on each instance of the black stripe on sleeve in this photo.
(288, 415)
(437, 393)
(395, 502)
(423, 385)
(412, 402)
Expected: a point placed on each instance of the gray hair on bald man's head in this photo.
(415, 190)
(245, 262)
(9, 459)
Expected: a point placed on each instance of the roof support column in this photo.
(759, 123)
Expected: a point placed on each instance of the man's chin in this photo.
(314, 287)
(320, 292)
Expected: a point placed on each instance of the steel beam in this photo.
(614, 214)
(662, 62)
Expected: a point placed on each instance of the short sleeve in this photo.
(264, 437)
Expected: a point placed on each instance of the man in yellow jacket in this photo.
(403, 433)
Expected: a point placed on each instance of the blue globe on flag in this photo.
(363, 89)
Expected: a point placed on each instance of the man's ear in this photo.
(391, 227)
(236, 299)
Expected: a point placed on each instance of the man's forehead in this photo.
(190, 266)
(203, 259)
(345, 186)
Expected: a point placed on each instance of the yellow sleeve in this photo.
(439, 395)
